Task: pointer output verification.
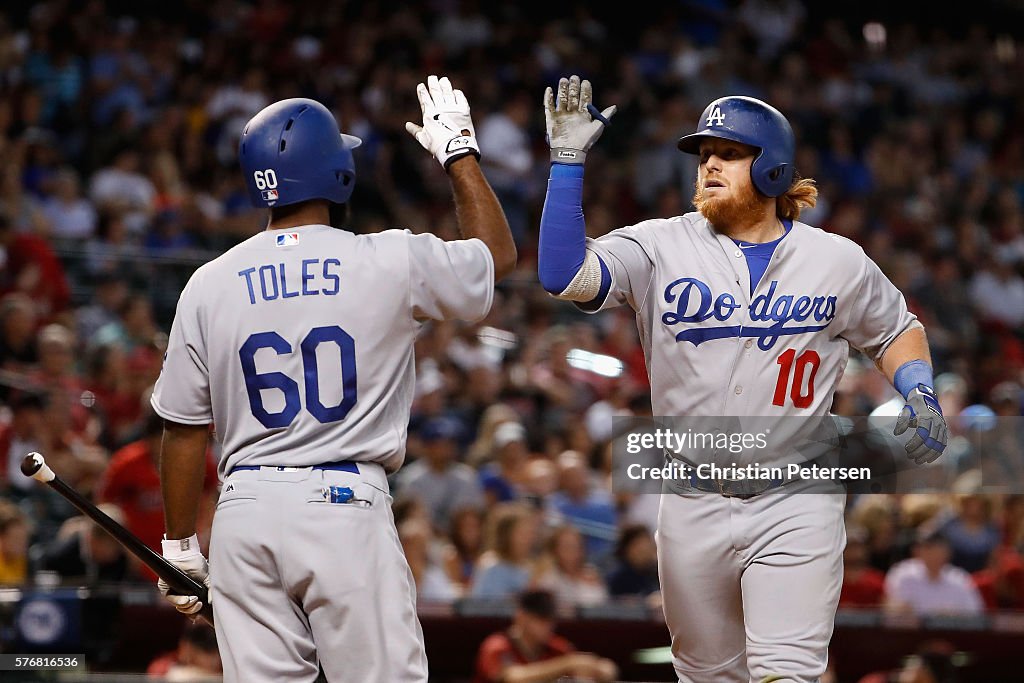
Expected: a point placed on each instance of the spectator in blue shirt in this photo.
(972, 535)
(588, 507)
(504, 569)
(502, 478)
(635, 572)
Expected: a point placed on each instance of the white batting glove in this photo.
(447, 131)
(573, 123)
(184, 553)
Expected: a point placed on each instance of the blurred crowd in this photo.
(118, 176)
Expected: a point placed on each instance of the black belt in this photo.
(343, 466)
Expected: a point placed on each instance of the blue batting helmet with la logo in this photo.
(755, 123)
(292, 151)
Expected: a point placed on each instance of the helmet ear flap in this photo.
(772, 181)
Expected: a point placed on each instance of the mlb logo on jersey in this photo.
(288, 239)
(269, 195)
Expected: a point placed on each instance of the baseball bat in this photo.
(35, 467)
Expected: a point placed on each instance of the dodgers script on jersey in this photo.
(713, 348)
(271, 374)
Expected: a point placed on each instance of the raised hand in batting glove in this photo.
(184, 553)
(447, 131)
(923, 413)
(573, 122)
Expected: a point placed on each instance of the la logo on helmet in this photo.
(716, 117)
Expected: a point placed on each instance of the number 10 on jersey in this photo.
(802, 368)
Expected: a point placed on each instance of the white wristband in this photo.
(180, 548)
(565, 155)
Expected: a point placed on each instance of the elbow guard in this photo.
(587, 284)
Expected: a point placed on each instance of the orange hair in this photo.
(802, 194)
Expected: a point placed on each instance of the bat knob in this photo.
(31, 464)
(34, 466)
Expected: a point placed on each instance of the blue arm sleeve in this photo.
(563, 233)
(910, 374)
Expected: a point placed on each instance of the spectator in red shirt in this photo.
(23, 434)
(132, 482)
(529, 651)
(110, 381)
(1001, 584)
(33, 269)
(1012, 522)
(863, 585)
(195, 660)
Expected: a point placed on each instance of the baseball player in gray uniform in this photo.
(742, 311)
(297, 345)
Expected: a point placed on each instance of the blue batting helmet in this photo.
(754, 123)
(292, 151)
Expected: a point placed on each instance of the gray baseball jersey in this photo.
(298, 344)
(712, 348)
(749, 587)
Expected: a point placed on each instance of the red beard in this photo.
(727, 212)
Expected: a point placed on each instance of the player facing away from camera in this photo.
(297, 344)
(742, 311)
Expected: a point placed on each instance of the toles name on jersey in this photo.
(272, 281)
